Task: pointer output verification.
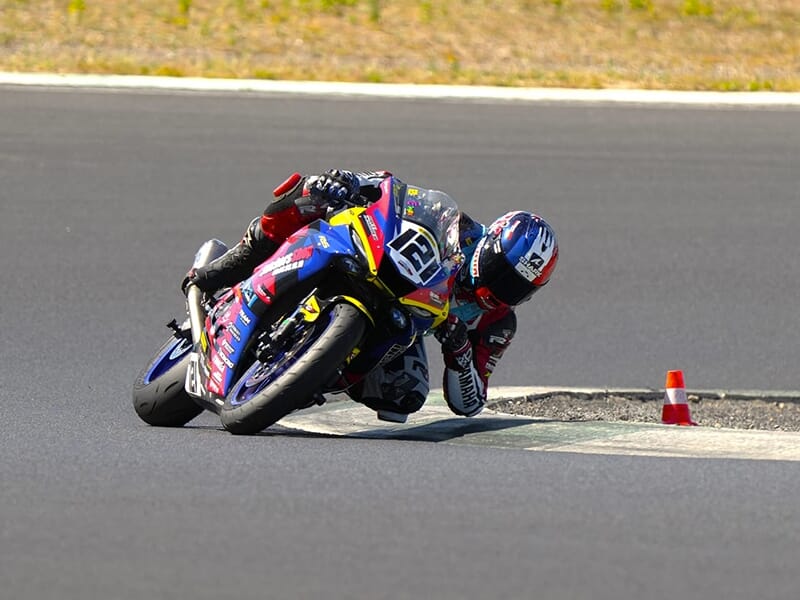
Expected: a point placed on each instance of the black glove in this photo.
(200, 277)
(191, 277)
(456, 347)
(335, 188)
(452, 335)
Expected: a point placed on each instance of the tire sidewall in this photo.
(163, 401)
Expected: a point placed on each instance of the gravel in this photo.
(707, 410)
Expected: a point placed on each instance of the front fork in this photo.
(308, 311)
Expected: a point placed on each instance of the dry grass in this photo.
(658, 44)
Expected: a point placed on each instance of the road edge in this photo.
(398, 90)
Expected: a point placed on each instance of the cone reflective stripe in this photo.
(676, 407)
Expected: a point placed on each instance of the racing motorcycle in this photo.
(339, 298)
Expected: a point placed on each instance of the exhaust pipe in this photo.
(209, 251)
(194, 304)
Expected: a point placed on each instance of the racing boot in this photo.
(236, 264)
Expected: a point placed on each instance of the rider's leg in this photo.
(238, 262)
(397, 389)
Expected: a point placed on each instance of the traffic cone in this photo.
(676, 408)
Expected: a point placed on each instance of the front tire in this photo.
(267, 393)
(159, 397)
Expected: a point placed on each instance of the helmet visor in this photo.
(506, 284)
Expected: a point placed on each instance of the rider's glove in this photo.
(456, 347)
(200, 277)
(334, 188)
(190, 278)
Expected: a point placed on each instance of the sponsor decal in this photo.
(226, 360)
(530, 268)
(394, 351)
(490, 365)
(287, 262)
(436, 299)
(469, 395)
(323, 241)
(292, 266)
(265, 293)
(235, 333)
(304, 252)
(281, 265)
(248, 294)
(244, 318)
(474, 269)
(226, 346)
(369, 223)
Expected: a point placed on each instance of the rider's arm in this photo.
(466, 374)
(296, 204)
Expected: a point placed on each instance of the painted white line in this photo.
(390, 90)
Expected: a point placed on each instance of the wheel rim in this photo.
(170, 356)
(261, 375)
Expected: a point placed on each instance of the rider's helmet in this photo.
(513, 260)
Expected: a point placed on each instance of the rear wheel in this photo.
(266, 393)
(159, 397)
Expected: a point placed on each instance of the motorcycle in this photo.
(339, 298)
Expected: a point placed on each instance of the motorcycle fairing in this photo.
(365, 234)
(229, 329)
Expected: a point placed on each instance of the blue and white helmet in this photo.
(513, 260)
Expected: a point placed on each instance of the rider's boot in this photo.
(237, 263)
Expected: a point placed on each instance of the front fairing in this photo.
(420, 252)
(232, 324)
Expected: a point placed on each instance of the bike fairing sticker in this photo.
(265, 277)
(233, 330)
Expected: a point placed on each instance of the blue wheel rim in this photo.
(170, 356)
(261, 375)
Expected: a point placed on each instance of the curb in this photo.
(397, 90)
(522, 392)
(436, 424)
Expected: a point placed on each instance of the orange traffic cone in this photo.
(676, 408)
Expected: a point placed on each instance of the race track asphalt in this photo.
(677, 231)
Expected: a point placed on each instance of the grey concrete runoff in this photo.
(435, 423)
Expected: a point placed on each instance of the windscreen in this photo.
(438, 213)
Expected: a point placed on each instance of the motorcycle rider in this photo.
(505, 264)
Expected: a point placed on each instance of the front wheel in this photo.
(159, 397)
(266, 393)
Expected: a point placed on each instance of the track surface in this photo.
(678, 251)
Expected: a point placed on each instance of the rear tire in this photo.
(293, 388)
(159, 397)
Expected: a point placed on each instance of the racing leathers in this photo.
(473, 339)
